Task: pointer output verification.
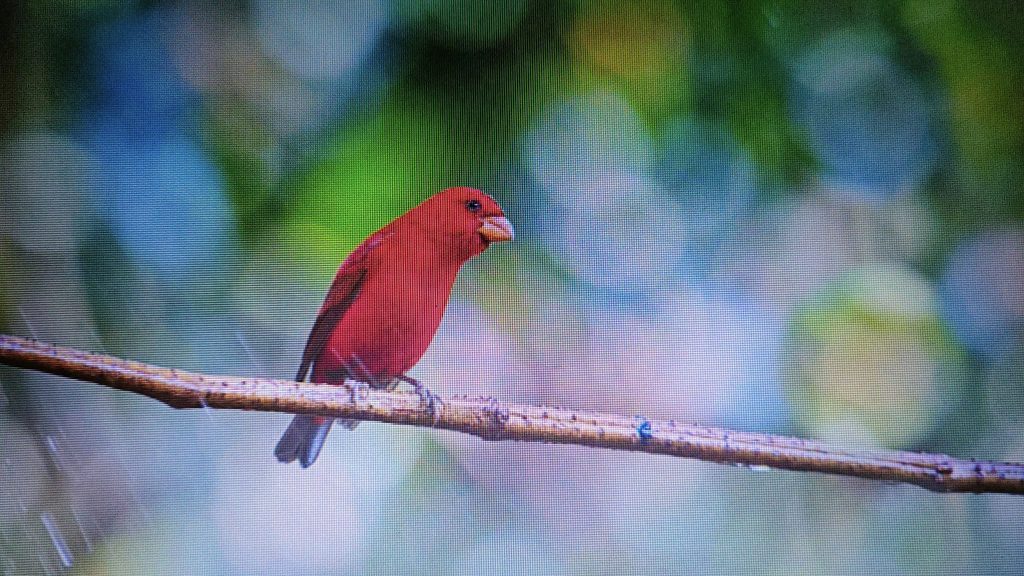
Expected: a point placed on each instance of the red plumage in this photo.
(387, 300)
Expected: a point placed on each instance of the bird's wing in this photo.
(345, 288)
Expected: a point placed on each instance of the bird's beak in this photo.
(497, 229)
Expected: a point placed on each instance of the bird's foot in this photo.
(360, 392)
(498, 412)
(433, 401)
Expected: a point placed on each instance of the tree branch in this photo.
(491, 420)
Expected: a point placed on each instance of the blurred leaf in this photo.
(868, 360)
(242, 146)
(464, 24)
(764, 128)
(375, 169)
(986, 105)
(641, 48)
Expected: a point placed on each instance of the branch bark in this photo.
(491, 420)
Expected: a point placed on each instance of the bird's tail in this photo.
(304, 438)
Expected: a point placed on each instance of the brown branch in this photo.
(491, 420)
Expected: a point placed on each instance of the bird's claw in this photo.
(498, 412)
(433, 401)
(360, 392)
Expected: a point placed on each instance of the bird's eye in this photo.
(473, 205)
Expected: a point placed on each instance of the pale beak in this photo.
(497, 229)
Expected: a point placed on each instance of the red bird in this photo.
(387, 300)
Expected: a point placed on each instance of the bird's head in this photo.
(463, 221)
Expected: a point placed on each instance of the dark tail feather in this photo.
(303, 439)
